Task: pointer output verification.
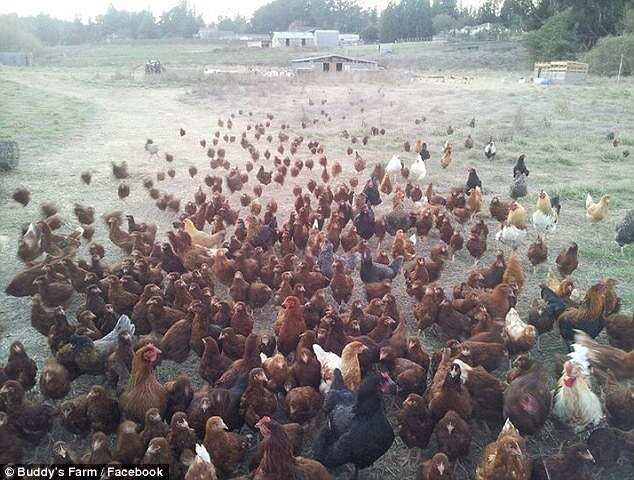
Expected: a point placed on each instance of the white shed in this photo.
(293, 39)
(327, 38)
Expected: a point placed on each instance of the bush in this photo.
(605, 57)
(14, 37)
(555, 40)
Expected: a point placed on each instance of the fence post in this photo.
(618, 78)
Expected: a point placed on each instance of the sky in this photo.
(210, 9)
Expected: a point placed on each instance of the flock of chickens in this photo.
(315, 383)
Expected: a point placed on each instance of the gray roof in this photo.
(328, 57)
(293, 34)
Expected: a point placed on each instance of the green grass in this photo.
(41, 122)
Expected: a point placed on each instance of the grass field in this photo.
(80, 109)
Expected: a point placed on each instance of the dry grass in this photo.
(560, 129)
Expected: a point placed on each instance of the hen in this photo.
(596, 212)
(505, 458)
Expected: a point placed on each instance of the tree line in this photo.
(554, 28)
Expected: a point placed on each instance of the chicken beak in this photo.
(587, 455)
(222, 424)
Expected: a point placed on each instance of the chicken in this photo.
(570, 464)
(487, 392)
(341, 284)
(278, 461)
(517, 216)
(257, 401)
(375, 272)
(228, 449)
(625, 231)
(588, 316)
(499, 210)
(567, 261)
(350, 368)
(527, 401)
(437, 468)
(520, 166)
(505, 458)
(518, 188)
(620, 330)
(200, 467)
(447, 391)
(415, 422)
(519, 337)
(545, 217)
(476, 246)
(143, 390)
(537, 252)
(302, 404)
(338, 444)
(329, 362)
(498, 301)
(20, 366)
(54, 380)
(289, 325)
(453, 435)
(604, 357)
(575, 404)
(31, 420)
(445, 160)
(99, 450)
(203, 239)
(130, 447)
(490, 150)
(597, 212)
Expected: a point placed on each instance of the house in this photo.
(560, 72)
(333, 63)
(326, 38)
(346, 39)
(16, 59)
(214, 33)
(259, 43)
(293, 39)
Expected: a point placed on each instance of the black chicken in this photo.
(520, 166)
(364, 222)
(371, 191)
(361, 436)
(473, 180)
(377, 272)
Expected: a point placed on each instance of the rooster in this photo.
(596, 212)
(575, 403)
(545, 217)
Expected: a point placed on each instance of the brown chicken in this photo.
(437, 468)
(257, 401)
(289, 325)
(505, 458)
(415, 422)
(605, 357)
(143, 390)
(350, 367)
(341, 284)
(447, 392)
(302, 404)
(567, 261)
(227, 449)
(453, 435)
(513, 274)
(54, 379)
(20, 366)
(498, 301)
(278, 461)
(537, 252)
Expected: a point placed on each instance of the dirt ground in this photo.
(562, 131)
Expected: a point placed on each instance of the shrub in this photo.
(14, 37)
(605, 57)
(555, 40)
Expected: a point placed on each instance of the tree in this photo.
(443, 23)
(488, 12)
(446, 7)
(628, 22)
(555, 40)
(180, 21)
(594, 18)
(370, 34)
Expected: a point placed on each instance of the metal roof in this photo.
(293, 34)
(324, 57)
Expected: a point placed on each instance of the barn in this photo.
(327, 38)
(333, 63)
(293, 39)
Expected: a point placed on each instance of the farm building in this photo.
(326, 38)
(560, 72)
(349, 39)
(16, 59)
(259, 43)
(333, 63)
(293, 39)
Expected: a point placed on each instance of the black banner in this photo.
(97, 472)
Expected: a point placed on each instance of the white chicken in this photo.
(329, 362)
(519, 336)
(575, 404)
(545, 217)
(511, 236)
(394, 165)
(489, 149)
(418, 170)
